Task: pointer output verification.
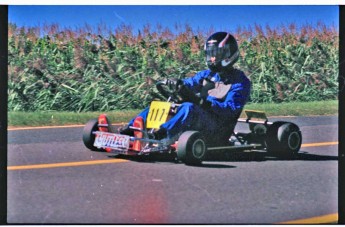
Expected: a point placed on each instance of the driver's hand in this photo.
(173, 84)
(187, 94)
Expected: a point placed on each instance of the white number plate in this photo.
(111, 140)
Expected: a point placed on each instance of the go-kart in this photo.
(278, 138)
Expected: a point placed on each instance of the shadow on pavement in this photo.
(152, 158)
(226, 156)
(260, 156)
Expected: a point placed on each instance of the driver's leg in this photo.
(190, 116)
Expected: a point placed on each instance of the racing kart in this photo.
(278, 138)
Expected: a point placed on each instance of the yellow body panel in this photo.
(255, 114)
(158, 114)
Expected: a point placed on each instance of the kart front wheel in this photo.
(283, 139)
(88, 136)
(191, 148)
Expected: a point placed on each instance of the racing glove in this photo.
(190, 96)
(187, 94)
(173, 83)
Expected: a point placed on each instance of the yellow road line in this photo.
(325, 219)
(66, 164)
(97, 162)
(320, 144)
(42, 127)
(117, 124)
(11, 128)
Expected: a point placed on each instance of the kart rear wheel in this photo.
(283, 139)
(88, 136)
(191, 148)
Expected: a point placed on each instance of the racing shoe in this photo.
(161, 133)
(126, 131)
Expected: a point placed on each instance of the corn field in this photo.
(87, 70)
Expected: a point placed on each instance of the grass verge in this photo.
(53, 118)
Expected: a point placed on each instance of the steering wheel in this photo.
(166, 91)
(180, 93)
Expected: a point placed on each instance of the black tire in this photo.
(191, 148)
(283, 139)
(88, 136)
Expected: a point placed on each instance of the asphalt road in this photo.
(53, 178)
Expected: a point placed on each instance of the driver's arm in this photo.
(195, 83)
(234, 101)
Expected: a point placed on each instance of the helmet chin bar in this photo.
(223, 64)
(231, 60)
(226, 62)
(215, 67)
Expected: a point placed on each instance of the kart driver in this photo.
(222, 93)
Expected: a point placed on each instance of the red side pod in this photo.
(103, 120)
(138, 123)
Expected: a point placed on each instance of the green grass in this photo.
(52, 118)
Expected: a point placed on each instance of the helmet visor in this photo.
(216, 54)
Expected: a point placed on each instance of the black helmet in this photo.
(221, 51)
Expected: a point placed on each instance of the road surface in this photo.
(53, 178)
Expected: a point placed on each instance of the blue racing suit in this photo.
(220, 118)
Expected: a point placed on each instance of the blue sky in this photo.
(220, 17)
